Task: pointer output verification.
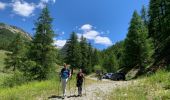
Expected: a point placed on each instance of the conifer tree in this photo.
(84, 53)
(16, 56)
(95, 57)
(73, 53)
(110, 63)
(159, 28)
(89, 58)
(42, 50)
(144, 15)
(136, 47)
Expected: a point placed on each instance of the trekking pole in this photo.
(69, 86)
(59, 86)
(84, 86)
(69, 83)
(75, 90)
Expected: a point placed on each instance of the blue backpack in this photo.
(65, 73)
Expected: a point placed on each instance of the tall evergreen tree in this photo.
(145, 19)
(89, 57)
(16, 56)
(136, 47)
(110, 63)
(144, 15)
(95, 57)
(159, 28)
(84, 53)
(73, 53)
(42, 50)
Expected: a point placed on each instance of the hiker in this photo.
(100, 76)
(65, 74)
(80, 78)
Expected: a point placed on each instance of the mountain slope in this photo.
(8, 33)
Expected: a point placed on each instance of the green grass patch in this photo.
(3, 76)
(37, 90)
(155, 87)
(2, 57)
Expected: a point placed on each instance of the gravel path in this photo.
(96, 91)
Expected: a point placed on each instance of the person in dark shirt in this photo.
(80, 78)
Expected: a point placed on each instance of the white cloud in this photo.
(91, 34)
(103, 40)
(59, 43)
(79, 36)
(86, 27)
(43, 3)
(2, 5)
(88, 31)
(23, 8)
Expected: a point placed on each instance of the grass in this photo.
(32, 90)
(155, 87)
(2, 57)
(2, 74)
(35, 90)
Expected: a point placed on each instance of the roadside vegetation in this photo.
(154, 87)
(39, 89)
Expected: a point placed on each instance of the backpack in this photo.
(65, 73)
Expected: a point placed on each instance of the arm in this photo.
(60, 75)
(69, 73)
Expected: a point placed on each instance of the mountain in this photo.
(8, 33)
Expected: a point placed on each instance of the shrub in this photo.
(16, 79)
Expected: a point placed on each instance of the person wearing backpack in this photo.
(65, 74)
(80, 78)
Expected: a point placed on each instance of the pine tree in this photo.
(159, 28)
(144, 15)
(95, 57)
(16, 56)
(110, 63)
(145, 19)
(84, 53)
(42, 50)
(89, 57)
(73, 53)
(136, 47)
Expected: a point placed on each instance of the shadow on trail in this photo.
(55, 96)
(72, 96)
(60, 97)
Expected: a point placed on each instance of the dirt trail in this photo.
(96, 91)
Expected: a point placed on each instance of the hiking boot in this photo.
(63, 96)
(79, 95)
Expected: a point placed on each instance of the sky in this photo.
(102, 22)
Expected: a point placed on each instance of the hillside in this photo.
(8, 33)
(154, 87)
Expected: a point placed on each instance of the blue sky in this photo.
(102, 22)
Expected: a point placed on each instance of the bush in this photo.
(98, 67)
(14, 80)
